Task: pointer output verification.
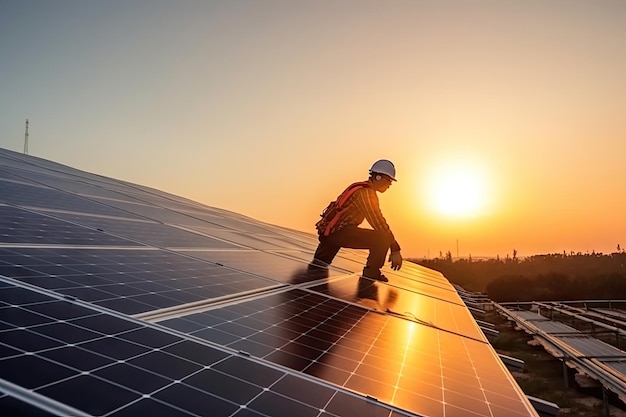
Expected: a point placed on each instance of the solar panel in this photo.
(39, 196)
(63, 181)
(149, 232)
(130, 301)
(93, 362)
(130, 281)
(382, 356)
(442, 313)
(269, 265)
(28, 227)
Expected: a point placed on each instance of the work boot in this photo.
(374, 274)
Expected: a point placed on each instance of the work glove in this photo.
(396, 260)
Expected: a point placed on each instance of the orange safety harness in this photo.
(332, 213)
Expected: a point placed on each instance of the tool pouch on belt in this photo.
(332, 213)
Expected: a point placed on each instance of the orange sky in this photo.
(269, 109)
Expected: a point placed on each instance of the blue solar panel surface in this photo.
(127, 301)
(93, 362)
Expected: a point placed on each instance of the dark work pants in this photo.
(354, 237)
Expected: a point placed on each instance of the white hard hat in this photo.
(383, 166)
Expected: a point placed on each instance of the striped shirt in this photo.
(363, 205)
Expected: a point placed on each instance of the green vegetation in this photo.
(540, 277)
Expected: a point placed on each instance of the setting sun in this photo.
(457, 190)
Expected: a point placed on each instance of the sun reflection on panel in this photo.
(416, 375)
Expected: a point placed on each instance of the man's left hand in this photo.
(396, 260)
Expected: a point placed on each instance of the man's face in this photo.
(383, 183)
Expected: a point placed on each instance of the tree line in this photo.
(573, 276)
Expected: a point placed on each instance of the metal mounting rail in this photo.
(566, 310)
(595, 366)
(198, 306)
(590, 314)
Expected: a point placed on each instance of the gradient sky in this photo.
(270, 108)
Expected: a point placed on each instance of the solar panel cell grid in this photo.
(21, 226)
(265, 264)
(42, 197)
(424, 306)
(244, 239)
(115, 367)
(27, 163)
(378, 355)
(129, 281)
(146, 211)
(155, 234)
(65, 182)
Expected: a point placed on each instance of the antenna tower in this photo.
(26, 139)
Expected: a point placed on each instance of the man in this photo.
(340, 228)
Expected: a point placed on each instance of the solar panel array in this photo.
(121, 300)
(581, 350)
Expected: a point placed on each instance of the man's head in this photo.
(382, 174)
